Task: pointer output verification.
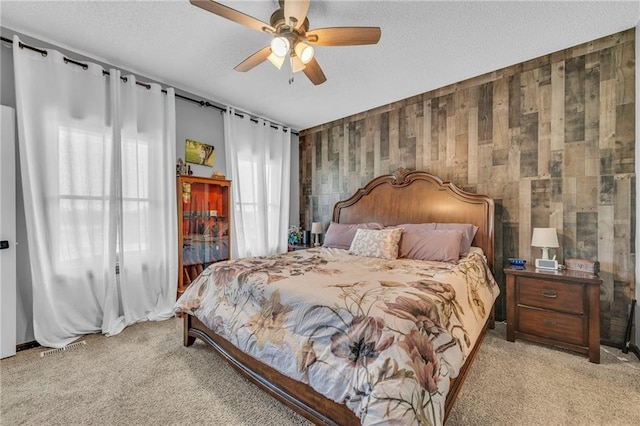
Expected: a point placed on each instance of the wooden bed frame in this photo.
(401, 197)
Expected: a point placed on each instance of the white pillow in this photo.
(376, 243)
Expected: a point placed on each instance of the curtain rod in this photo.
(146, 85)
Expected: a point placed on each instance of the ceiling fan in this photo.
(289, 27)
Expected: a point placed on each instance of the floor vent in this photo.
(65, 348)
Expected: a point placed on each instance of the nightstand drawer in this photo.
(554, 295)
(553, 325)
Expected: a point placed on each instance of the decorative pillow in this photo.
(439, 245)
(340, 235)
(376, 243)
(468, 232)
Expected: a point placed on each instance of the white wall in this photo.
(203, 124)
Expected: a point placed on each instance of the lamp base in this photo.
(545, 252)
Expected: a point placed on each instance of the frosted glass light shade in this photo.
(280, 46)
(304, 51)
(277, 61)
(546, 238)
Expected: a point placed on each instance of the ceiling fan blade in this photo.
(233, 15)
(297, 10)
(256, 59)
(344, 36)
(314, 72)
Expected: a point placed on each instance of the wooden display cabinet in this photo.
(204, 225)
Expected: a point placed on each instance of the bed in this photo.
(348, 337)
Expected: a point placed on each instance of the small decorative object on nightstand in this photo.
(591, 266)
(306, 237)
(295, 235)
(559, 308)
(316, 230)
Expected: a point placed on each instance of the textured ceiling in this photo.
(424, 45)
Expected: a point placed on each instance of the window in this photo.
(81, 214)
(249, 204)
(136, 203)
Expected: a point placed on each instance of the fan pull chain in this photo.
(291, 78)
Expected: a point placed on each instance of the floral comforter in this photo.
(381, 336)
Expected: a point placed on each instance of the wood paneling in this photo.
(552, 140)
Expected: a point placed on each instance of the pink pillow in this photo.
(411, 227)
(438, 245)
(468, 232)
(340, 235)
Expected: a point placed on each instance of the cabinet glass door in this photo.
(204, 227)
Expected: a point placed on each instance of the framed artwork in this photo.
(198, 153)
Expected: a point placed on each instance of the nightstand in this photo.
(294, 247)
(559, 308)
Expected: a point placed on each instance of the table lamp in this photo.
(316, 229)
(545, 238)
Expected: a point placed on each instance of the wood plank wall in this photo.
(552, 140)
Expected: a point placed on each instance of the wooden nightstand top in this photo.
(560, 274)
(294, 247)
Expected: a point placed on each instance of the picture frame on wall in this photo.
(199, 153)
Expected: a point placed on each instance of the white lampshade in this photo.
(304, 51)
(316, 228)
(276, 60)
(280, 46)
(546, 238)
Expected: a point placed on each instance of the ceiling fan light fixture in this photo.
(277, 61)
(280, 46)
(304, 51)
(289, 28)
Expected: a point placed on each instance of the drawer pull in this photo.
(550, 294)
(549, 322)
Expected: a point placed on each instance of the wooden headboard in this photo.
(419, 197)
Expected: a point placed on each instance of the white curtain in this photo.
(97, 161)
(258, 157)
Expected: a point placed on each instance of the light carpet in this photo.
(145, 376)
